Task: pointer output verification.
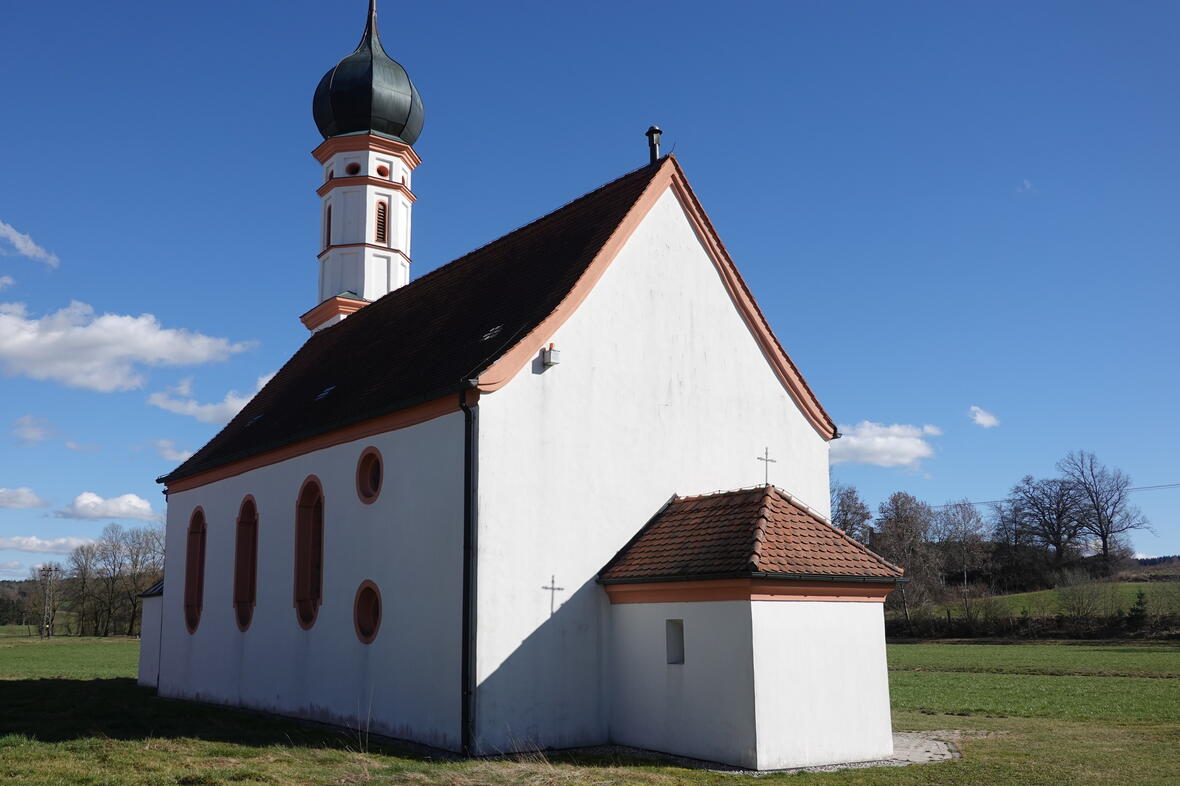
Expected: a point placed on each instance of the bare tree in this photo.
(850, 513)
(962, 537)
(143, 560)
(1106, 511)
(1049, 510)
(83, 567)
(903, 536)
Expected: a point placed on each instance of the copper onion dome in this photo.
(368, 92)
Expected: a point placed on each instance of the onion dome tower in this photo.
(369, 113)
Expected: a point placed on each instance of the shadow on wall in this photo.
(550, 691)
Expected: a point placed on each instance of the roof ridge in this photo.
(466, 257)
(760, 522)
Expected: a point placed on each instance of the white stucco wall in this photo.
(821, 683)
(407, 682)
(703, 707)
(149, 641)
(661, 389)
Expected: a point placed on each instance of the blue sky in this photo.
(938, 205)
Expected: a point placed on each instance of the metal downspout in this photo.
(470, 485)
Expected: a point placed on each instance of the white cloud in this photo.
(169, 452)
(13, 569)
(897, 445)
(89, 505)
(179, 400)
(103, 353)
(1026, 187)
(6, 282)
(78, 446)
(25, 246)
(37, 545)
(22, 497)
(30, 430)
(982, 417)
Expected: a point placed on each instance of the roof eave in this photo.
(746, 574)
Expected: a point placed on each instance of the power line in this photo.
(998, 501)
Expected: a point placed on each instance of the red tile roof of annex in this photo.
(758, 531)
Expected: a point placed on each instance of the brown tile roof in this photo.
(758, 531)
(424, 340)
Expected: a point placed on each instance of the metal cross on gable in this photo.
(553, 590)
(765, 457)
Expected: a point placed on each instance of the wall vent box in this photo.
(674, 630)
(550, 356)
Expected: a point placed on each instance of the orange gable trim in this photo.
(748, 589)
(391, 422)
(333, 306)
(669, 176)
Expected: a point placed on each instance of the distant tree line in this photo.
(1062, 530)
(96, 592)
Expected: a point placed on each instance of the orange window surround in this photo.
(368, 475)
(194, 570)
(309, 552)
(246, 563)
(366, 611)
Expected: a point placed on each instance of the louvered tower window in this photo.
(382, 222)
(328, 227)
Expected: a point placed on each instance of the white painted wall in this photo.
(702, 708)
(149, 641)
(661, 389)
(406, 683)
(821, 683)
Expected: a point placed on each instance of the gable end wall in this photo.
(661, 389)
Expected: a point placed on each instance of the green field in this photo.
(1111, 598)
(1029, 713)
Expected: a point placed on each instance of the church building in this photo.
(478, 509)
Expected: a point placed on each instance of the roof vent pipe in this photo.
(653, 143)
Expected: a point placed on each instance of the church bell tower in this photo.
(370, 115)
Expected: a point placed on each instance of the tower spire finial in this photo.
(370, 33)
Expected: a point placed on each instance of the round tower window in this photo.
(366, 611)
(368, 475)
(383, 170)
(353, 168)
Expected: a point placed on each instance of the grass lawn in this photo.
(1040, 713)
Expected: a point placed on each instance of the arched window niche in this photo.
(246, 563)
(194, 570)
(309, 552)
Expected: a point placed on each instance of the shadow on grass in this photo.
(59, 710)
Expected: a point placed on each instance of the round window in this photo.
(366, 611)
(353, 168)
(368, 475)
(383, 170)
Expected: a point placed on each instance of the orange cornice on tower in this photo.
(670, 176)
(357, 142)
(338, 306)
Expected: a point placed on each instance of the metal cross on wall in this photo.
(766, 458)
(553, 590)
